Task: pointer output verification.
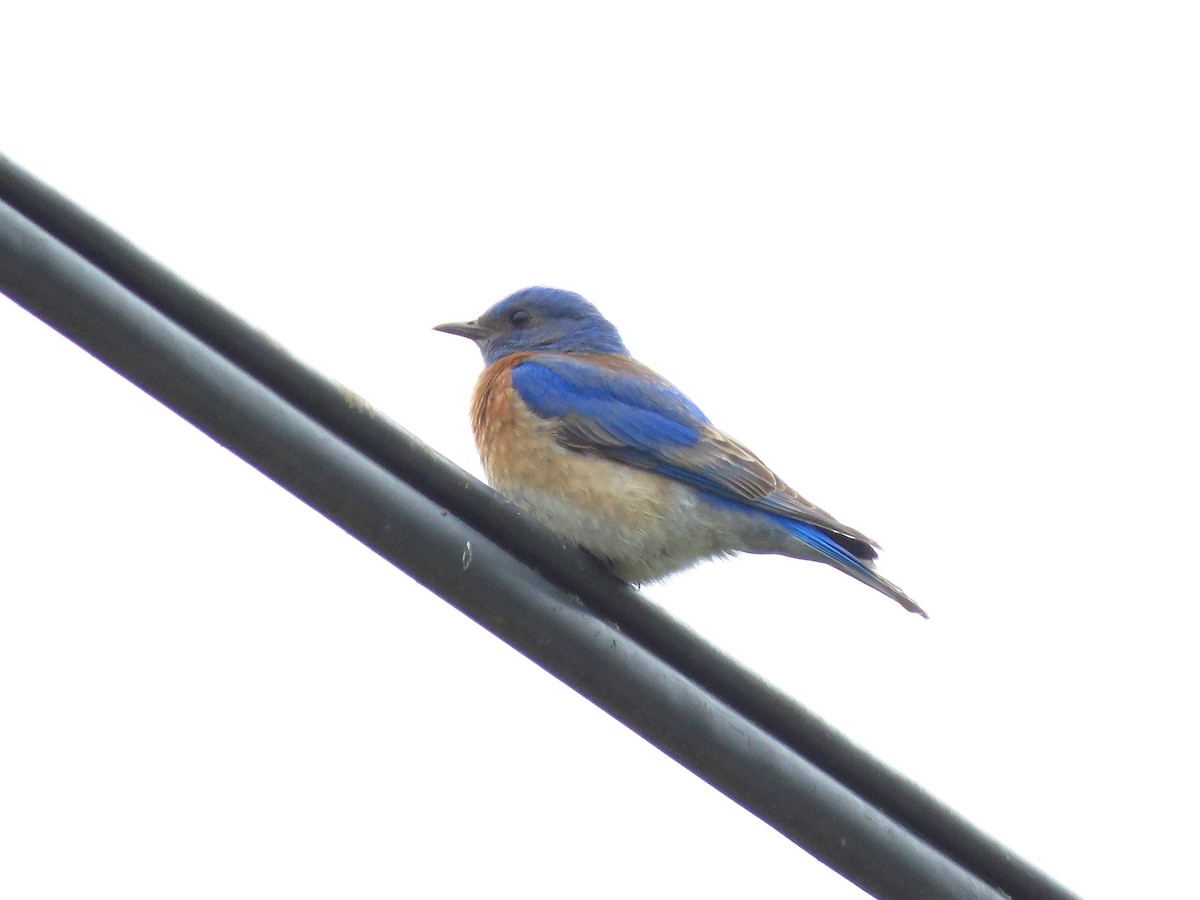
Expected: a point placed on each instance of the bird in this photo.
(615, 459)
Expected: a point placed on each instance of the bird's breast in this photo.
(616, 511)
(513, 443)
(643, 524)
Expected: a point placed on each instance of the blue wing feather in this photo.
(641, 414)
(615, 407)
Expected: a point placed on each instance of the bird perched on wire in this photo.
(617, 460)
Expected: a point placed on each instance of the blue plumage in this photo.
(707, 495)
(559, 322)
(641, 413)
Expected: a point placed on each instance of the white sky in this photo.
(935, 263)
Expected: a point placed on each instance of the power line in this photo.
(554, 604)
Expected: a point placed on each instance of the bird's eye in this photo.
(520, 318)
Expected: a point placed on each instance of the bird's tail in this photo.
(828, 550)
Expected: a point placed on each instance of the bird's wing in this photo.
(617, 408)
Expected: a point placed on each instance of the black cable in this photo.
(394, 450)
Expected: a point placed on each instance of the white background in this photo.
(936, 263)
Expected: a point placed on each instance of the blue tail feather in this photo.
(826, 545)
(841, 558)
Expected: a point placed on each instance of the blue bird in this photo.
(617, 460)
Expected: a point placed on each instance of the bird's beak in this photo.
(472, 330)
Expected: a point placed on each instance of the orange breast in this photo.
(507, 435)
(524, 461)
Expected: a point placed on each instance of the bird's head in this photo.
(540, 318)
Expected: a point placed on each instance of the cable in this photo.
(374, 442)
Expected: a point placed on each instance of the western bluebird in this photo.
(615, 459)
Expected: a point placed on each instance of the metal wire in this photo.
(870, 823)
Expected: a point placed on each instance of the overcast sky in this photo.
(936, 263)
